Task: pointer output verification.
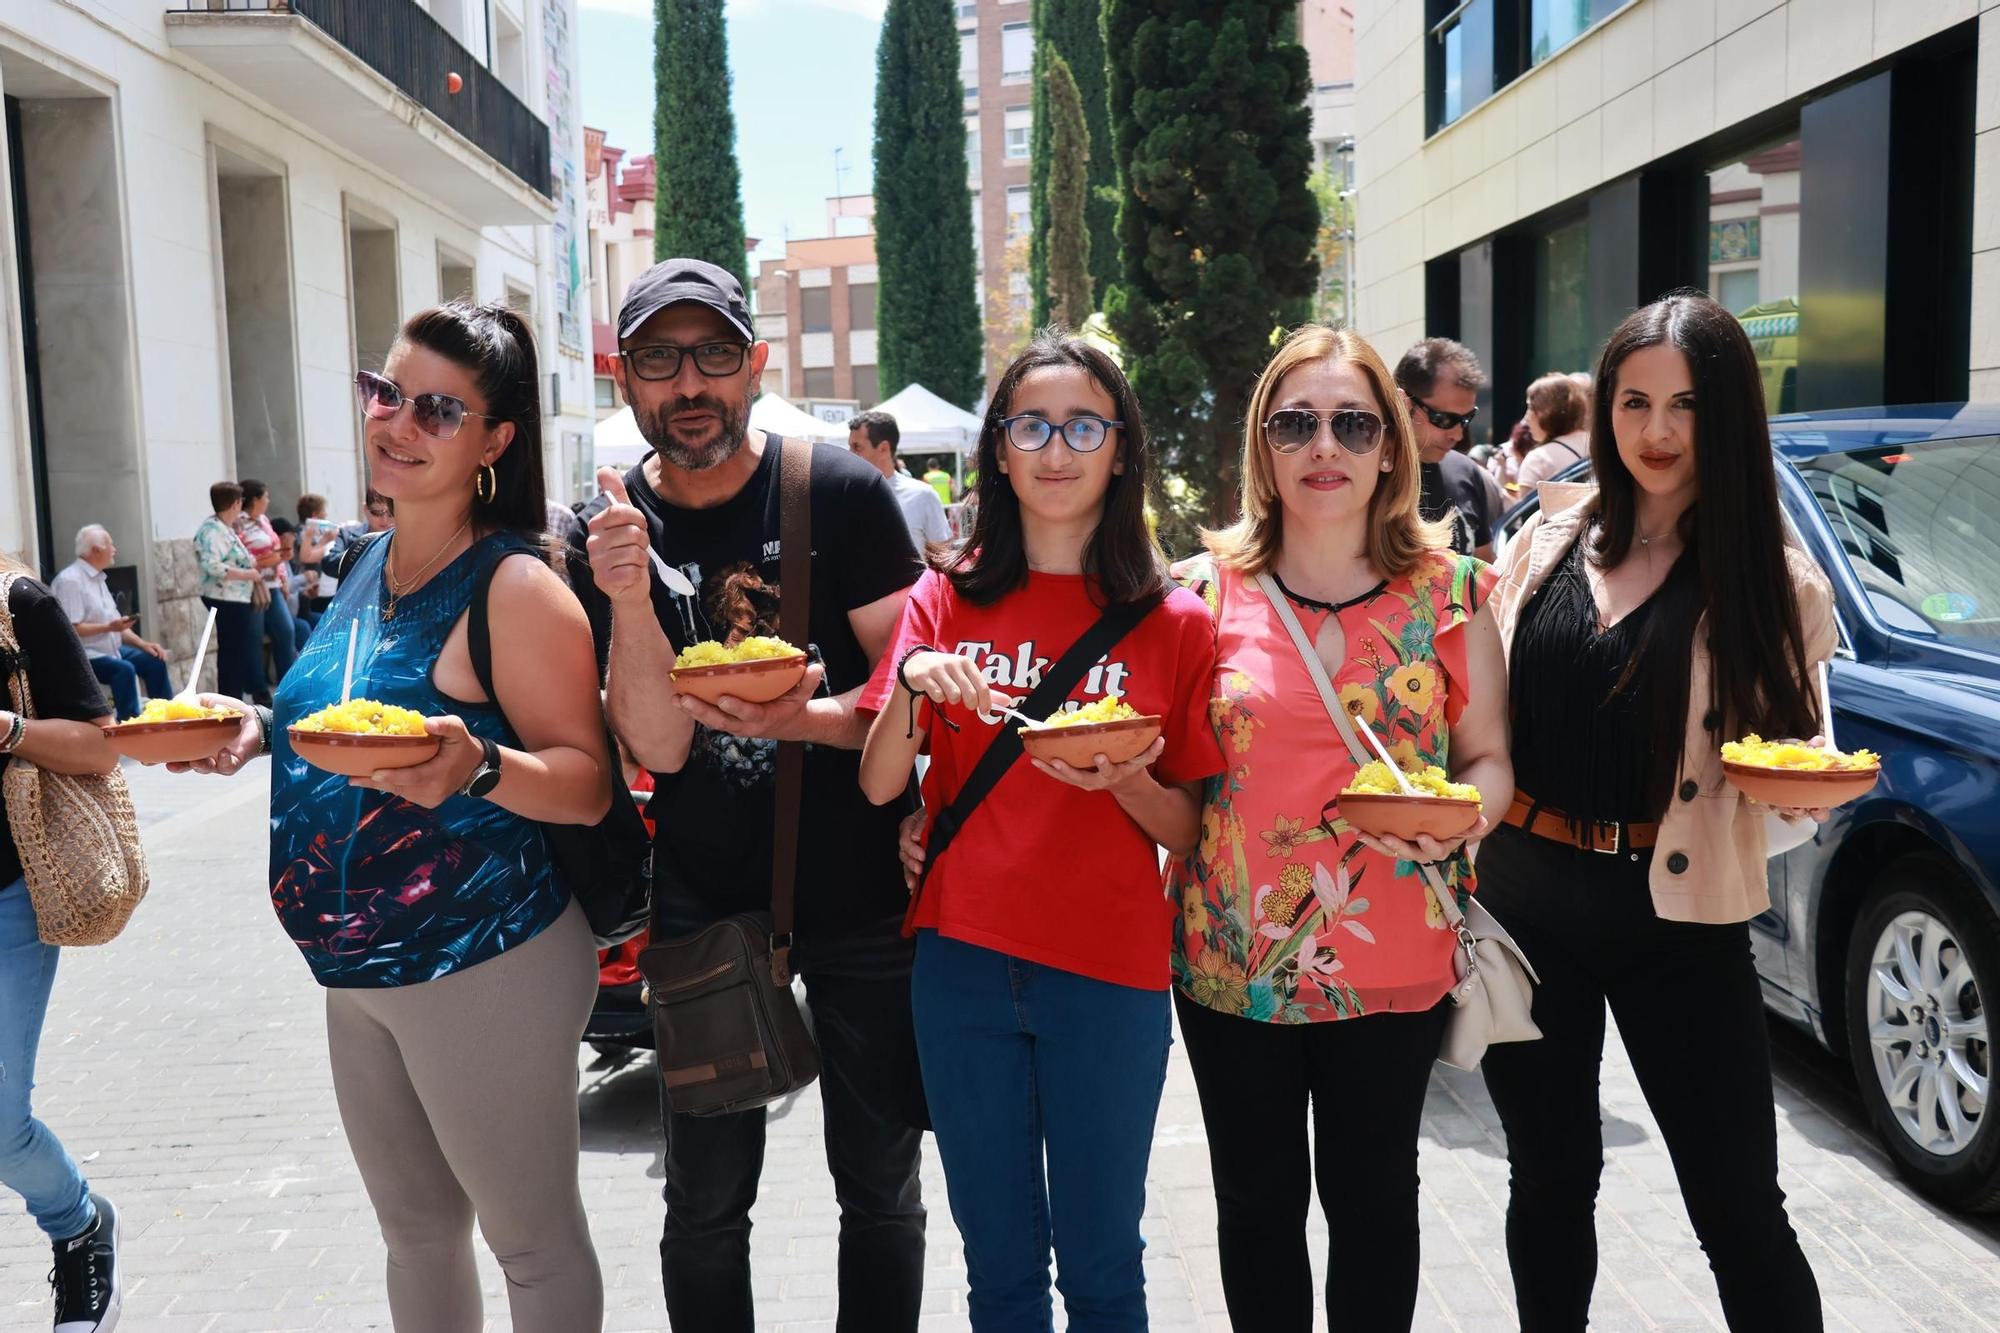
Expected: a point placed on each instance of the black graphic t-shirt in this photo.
(714, 818)
(1458, 489)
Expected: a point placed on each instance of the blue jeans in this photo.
(122, 674)
(1023, 1064)
(284, 637)
(33, 1162)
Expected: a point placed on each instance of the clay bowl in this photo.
(353, 755)
(1079, 746)
(1399, 816)
(1820, 789)
(755, 682)
(181, 741)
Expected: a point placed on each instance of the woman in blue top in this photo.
(459, 975)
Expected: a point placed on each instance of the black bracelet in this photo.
(903, 662)
(910, 730)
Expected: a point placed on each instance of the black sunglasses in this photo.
(662, 361)
(1290, 429)
(1440, 418)
(437, 414)
(1084, 435)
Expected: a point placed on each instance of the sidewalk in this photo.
(186, 1064)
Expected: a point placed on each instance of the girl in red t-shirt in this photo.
(1040, 988)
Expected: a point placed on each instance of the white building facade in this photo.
(211, 214)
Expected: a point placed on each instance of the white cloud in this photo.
(868, 9)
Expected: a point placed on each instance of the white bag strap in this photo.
(1447, 901)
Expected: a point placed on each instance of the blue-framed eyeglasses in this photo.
(1084, 435)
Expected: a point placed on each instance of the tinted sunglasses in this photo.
(1440, 418)
(437, 414)
(1290, 429)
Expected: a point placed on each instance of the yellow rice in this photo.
(1104, 710)
(1755, 751)
(1375, 779)
(175, 710)
(756, 648)
(365, 717)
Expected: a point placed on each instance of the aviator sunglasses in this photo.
(437, 414)
(1290, 429)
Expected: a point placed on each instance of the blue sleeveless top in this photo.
(376, 891)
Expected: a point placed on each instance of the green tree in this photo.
(1216, 226)
(929, 327)
(1067, 243)
(1072, 29)
(698, 200)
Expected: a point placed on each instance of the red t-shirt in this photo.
(1044, 871)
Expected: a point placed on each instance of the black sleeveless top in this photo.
(1580, 734)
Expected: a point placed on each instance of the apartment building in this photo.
(996, 64)
(816, 308)
(620, 191)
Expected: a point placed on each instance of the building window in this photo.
(816, 310)
(972, 148)
(867, 386)
(1017, 52)
(1564, 335)
(1753, 259)
(1475, 48)
(607, 392)
(1019, 118)
(819, 383)
(1017, 212)
(978, 233)
(968, 60)
(1554, 24)
(861, 305)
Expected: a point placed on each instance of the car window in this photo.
(1920, 525)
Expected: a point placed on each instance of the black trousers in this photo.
(860, 1006)
(1690, 1012)
(1364, 1081)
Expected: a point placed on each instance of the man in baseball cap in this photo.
(706, 504)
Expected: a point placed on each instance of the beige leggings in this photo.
(459, 1100)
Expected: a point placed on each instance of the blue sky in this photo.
(804, 85)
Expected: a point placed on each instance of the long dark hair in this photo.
(496, 345)
(1121, 560)
(1734, 569)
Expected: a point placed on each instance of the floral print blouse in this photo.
(216, 549)
(1285, 917)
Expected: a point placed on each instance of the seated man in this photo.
(120, 658)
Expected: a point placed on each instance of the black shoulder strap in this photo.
(794, 626)
(1116, 622)
(478, 633)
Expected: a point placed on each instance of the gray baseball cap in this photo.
(672, 281)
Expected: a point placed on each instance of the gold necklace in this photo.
(397, 592)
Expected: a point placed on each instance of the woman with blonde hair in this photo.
(1559, 422)
(1311, 963)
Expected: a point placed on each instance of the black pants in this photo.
(861, 1017)
(1689, 1009)
(239, 652)
(1364, 1079)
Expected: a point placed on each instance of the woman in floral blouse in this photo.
(1291, 923)
(233, 588)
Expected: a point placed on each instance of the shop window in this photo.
(1753, 259)
(1564, 337)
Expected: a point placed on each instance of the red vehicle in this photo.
(619, 1023)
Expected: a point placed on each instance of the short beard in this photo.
(656, 427)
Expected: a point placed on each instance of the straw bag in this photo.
(77, 834)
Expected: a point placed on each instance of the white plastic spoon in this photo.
(1401, 779)
(200, 655)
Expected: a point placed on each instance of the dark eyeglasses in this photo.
(1442, 419)
(1084, 435)
(1290, 429)
(663, 360)
(437, 414)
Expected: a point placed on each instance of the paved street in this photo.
(186, 1063)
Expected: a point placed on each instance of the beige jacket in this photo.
(1709, 865)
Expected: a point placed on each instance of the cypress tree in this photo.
(1072, 29)
(1068, 243)
(929, 327)
(698, 199)
(1216, 226)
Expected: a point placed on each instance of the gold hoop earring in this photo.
(486, 484)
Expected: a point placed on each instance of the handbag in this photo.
(607, 866)
(1494, 991)
(726, 1022)
(77, 833)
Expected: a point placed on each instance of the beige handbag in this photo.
(77, 834)
(1494, 995)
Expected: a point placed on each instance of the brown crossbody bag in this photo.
(728, 1028)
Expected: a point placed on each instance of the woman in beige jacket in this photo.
(1647, 620)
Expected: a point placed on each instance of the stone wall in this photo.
(181, 615)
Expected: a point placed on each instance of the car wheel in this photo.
(1923, 970)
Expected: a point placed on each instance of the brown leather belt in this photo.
(1554, 825)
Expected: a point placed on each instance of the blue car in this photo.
(1883, 938)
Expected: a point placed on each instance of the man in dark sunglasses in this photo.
(688, 547)
(1440, 380)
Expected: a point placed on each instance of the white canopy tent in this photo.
(616, 441)
(930, 425)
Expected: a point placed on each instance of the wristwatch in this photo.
(487, 776)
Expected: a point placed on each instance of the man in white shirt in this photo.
(874, 436)
(119, 657)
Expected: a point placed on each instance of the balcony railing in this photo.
(414, 51)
